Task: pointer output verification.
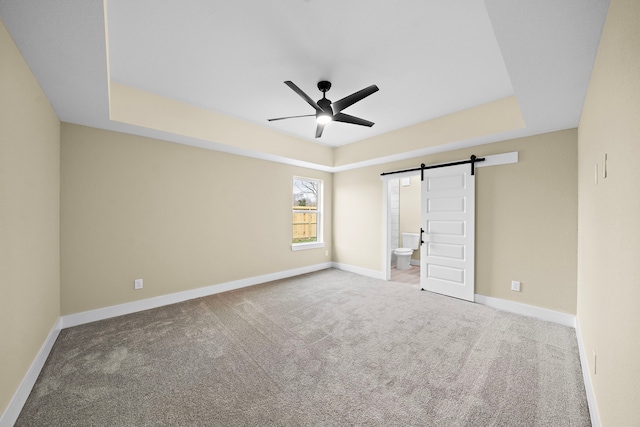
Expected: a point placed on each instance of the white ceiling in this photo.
(428, 57)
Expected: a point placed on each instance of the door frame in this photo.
(493, 160)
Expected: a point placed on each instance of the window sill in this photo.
(303, 246)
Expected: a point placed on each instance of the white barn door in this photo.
(448, 224)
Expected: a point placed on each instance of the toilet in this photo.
(410, 242)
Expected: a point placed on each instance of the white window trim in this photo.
(306, 245)
(320, 219)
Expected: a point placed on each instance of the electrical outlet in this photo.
(326, 253)
(515, 286)
(137, 284)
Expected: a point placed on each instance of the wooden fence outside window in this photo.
(305, 225)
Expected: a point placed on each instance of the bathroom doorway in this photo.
(402, 208)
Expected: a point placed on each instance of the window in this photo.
(306, 214)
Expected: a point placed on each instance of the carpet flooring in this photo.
(329, 348)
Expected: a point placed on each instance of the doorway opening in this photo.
(402, 208)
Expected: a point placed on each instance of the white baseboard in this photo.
(19, 398)
(359, 270)
(149, 303)
(586, 375)
(414, 262)
(528, 310)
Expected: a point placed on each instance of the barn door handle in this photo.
(421, 233)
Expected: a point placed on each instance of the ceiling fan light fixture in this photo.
(323, 119)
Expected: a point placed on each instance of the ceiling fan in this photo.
(327, 111)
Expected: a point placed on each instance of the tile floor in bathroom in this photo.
(411, 275)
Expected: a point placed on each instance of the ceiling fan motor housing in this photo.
(325, 105)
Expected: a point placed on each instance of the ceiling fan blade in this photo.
(319, 130)
(346, 118)
(353, 98)
(303, 95)
(291, 117)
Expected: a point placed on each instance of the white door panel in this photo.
(448, 221)
(451, 204)
(445, 250)
(438, 228)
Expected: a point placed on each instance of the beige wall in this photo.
(526, 219)
(178, 217)
(609, 219)
(410, 210)
(29, 218)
